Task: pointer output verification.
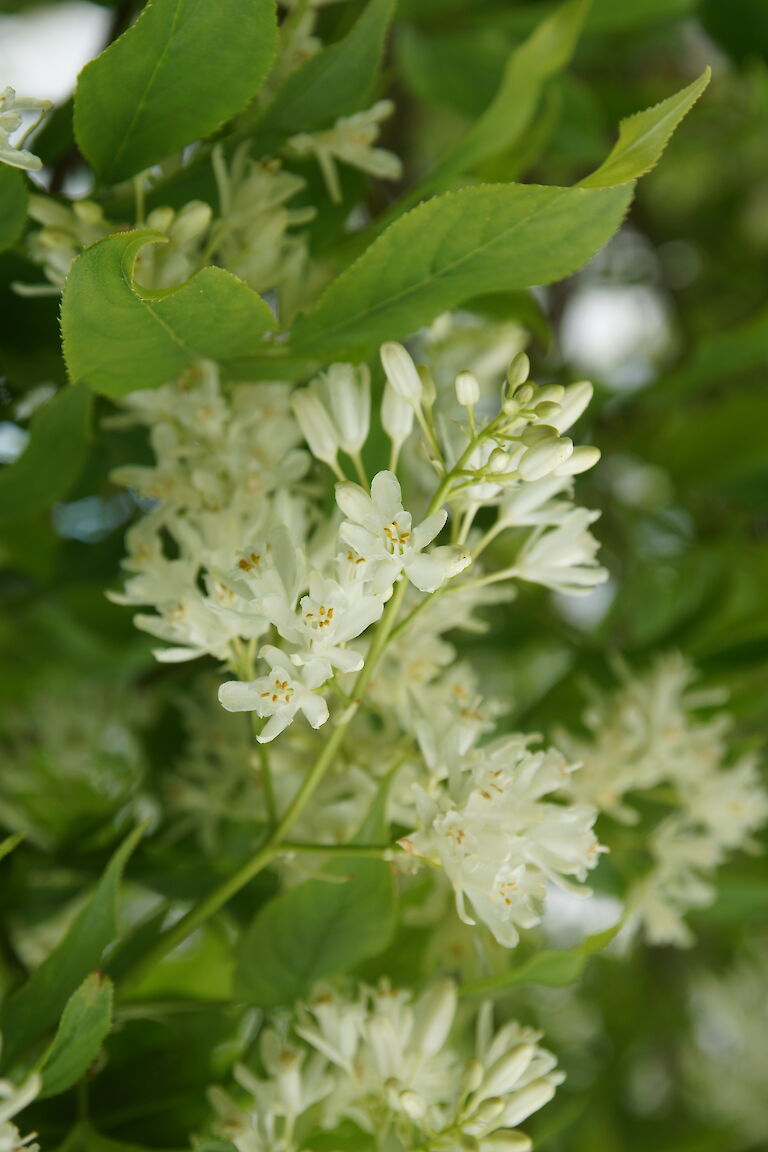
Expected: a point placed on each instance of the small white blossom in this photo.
(280, 695)
(379, 529)
(401, 372)
(563, 557)
(329, 616)
(334, 411)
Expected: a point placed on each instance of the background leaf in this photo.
(553, 967)
(320, 928)
(492, 238)
(118, 336)
(175, 75)
(13, 205)
(84, 1024)
(31, 1011)
(644, 136)
(545, 53)
(52, 460)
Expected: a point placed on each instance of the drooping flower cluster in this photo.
(384, 1063)
(500, 835)
(650, 740)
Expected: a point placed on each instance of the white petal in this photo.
(315, 709)
(425, 532)
(353, 501)
(425, 571)
(238, 696)
(386, 494)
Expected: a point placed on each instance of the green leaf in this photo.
(553, 967)
(119, 336)
(9, 843)
(339, 80)
(644, 136)
(320, 928)
(85, 1023)
(52, 460)
(177, 74)
(490, 238)
(545, 53)
(31, 1011)
(13, 205)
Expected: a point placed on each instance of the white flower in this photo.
(12, 108)
(563, 557)
(329, 616)
(378, 529)
(396, 419)
(499, 841)
(350, 140)
(334, 411)
(280, 695)
(254, 235)
(401, 372)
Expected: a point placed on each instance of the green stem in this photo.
(381, 851)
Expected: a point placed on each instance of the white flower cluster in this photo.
(253, 234)
(12, 109)
(238, 560)
(500, 835)
(383, 1062)
(14, 1099)
(350, 141)
(649, 739)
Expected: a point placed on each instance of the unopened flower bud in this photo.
(436, 1012)
(413, 1105)
(581, 460)
(524, 394)
(550, 394)
(573, 403)
(544, 458)
(547, 410)
(535, 433)
(505, 1072)
(467, 389)
(472, 1078)
(499, 461)
(488, 1111)
(528, 1100)
(519, 370)
(349, 389)
(506, 1140)
(401, 372)
(396, 416)
(316, 426)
